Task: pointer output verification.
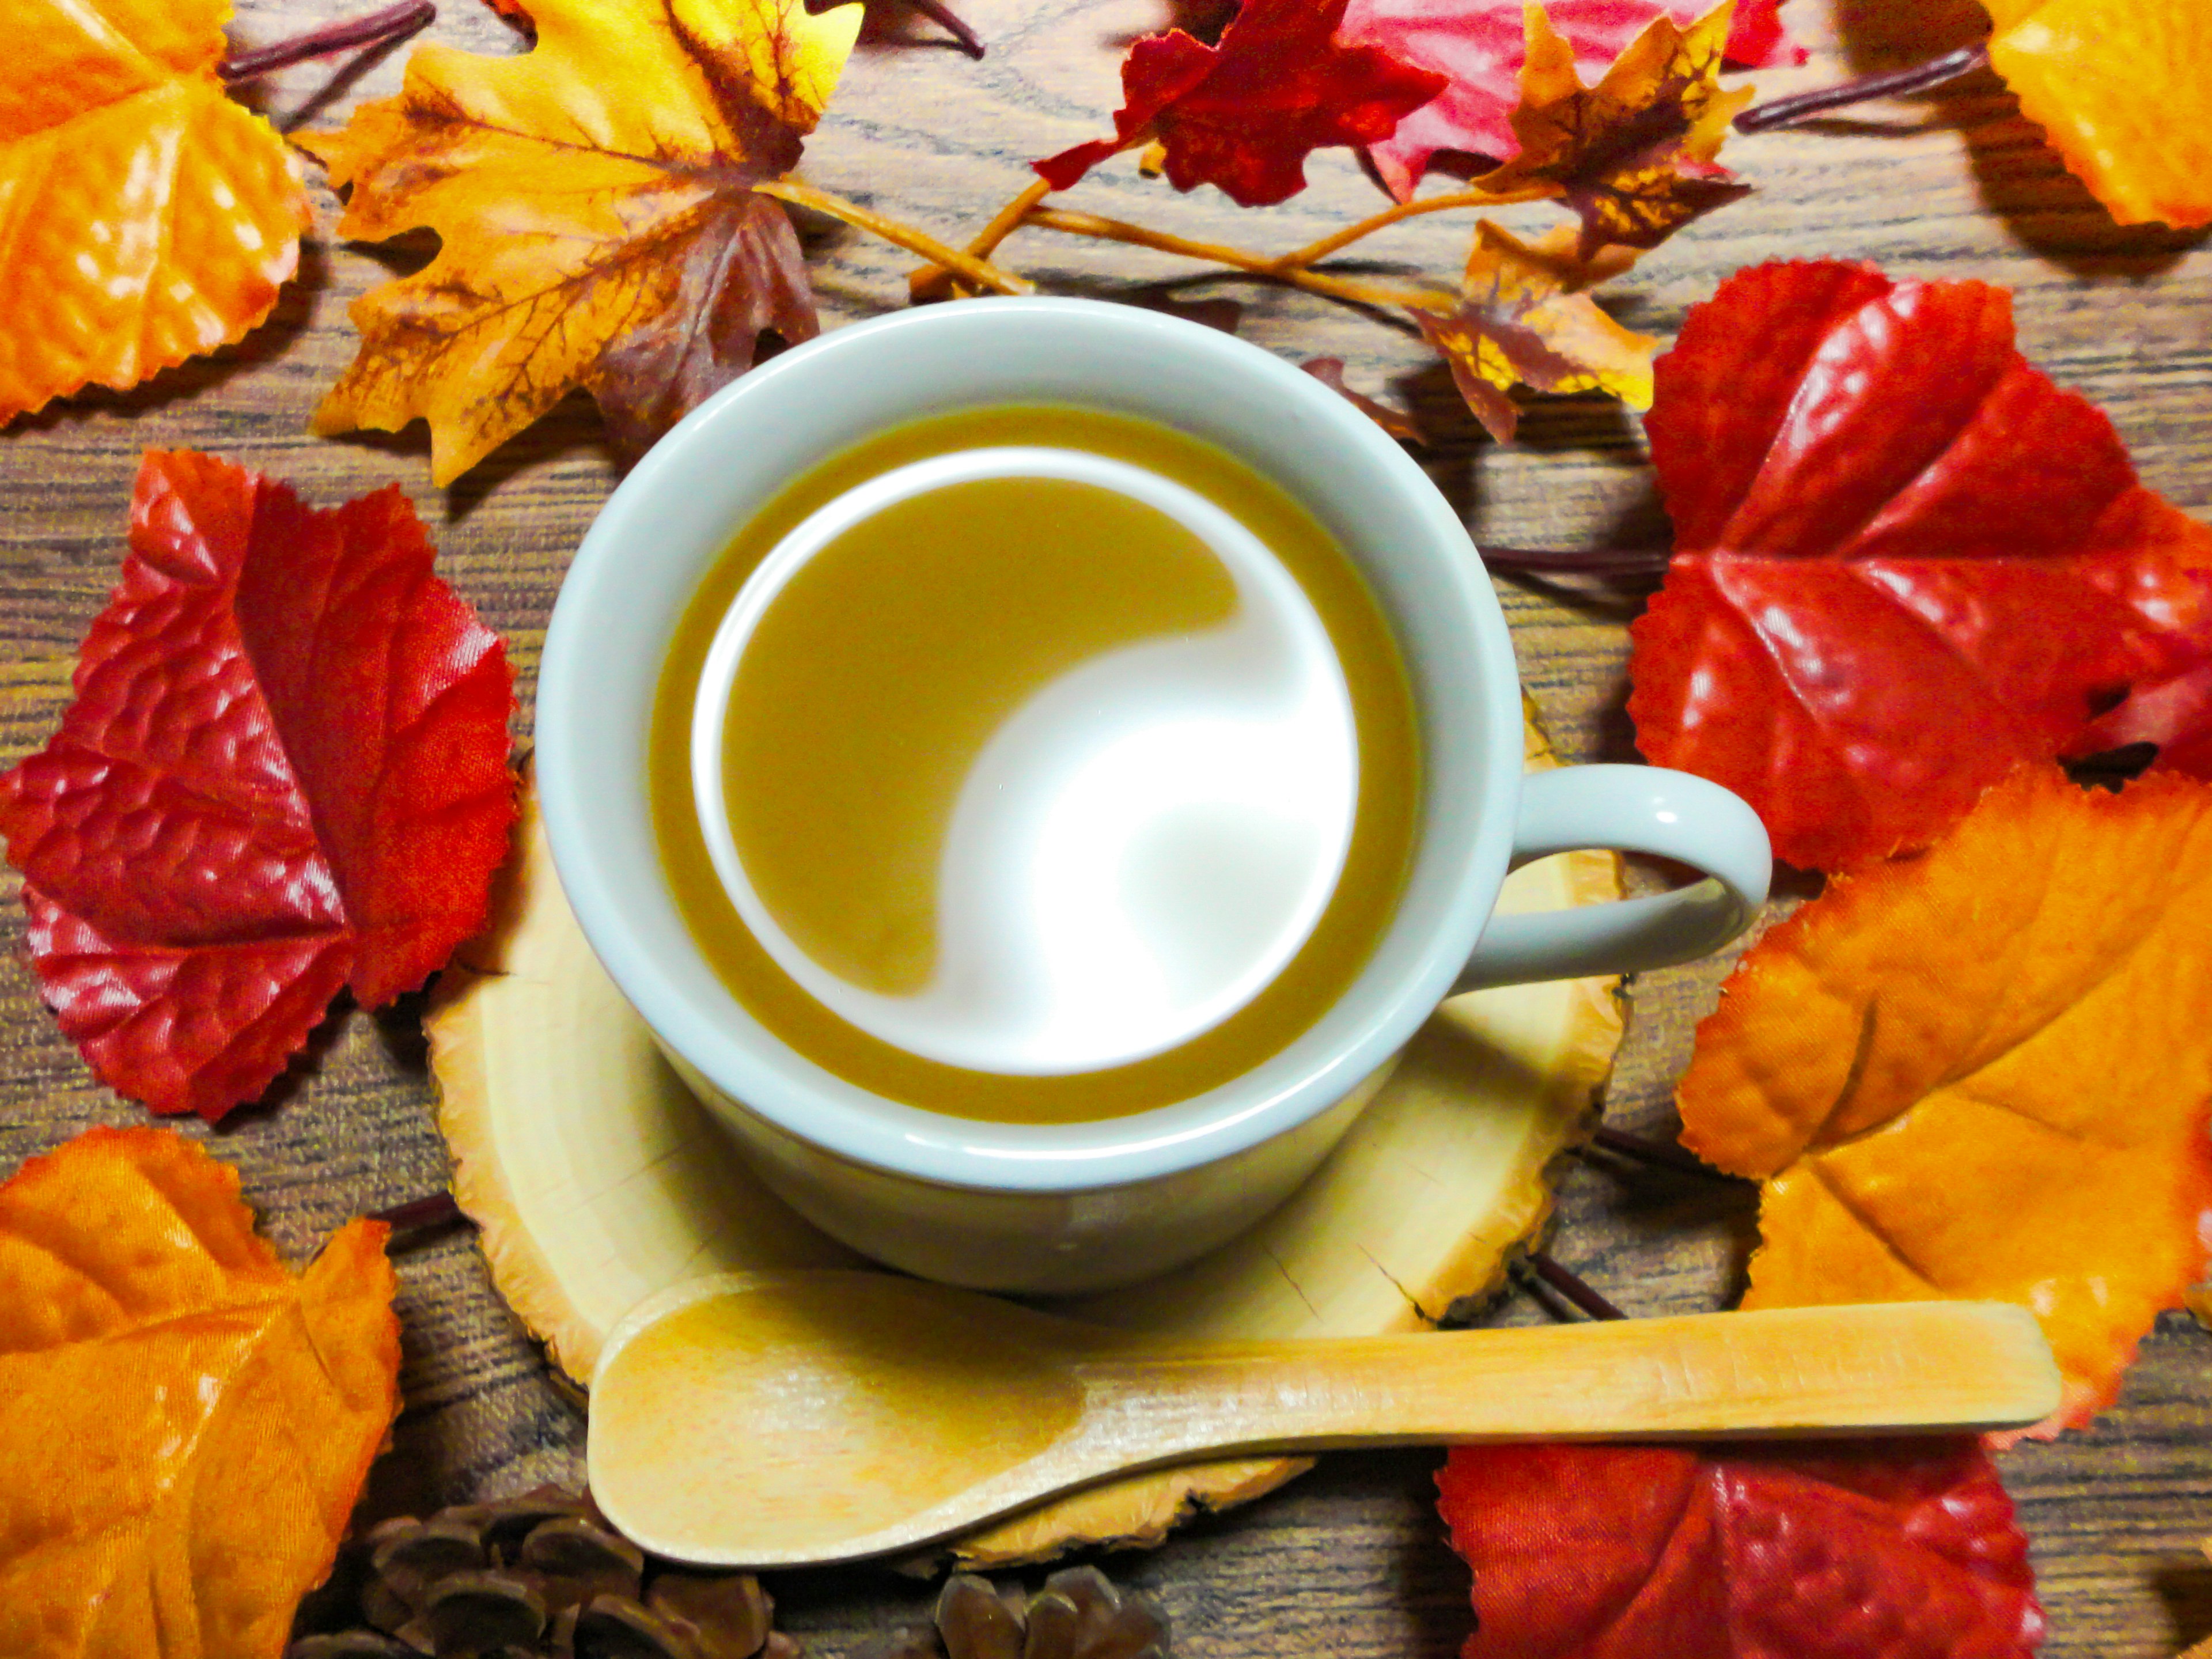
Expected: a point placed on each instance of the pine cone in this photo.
(1079, 1614)
(538, 1577)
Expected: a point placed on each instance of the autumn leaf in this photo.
(1905, 562)
(1876, 1549)
(185, 1424)
(1400, 424)
(1632, 156)
(1479, 45)
(285, 772)
(1244, 114)
(1519, 322)
(2121, 89)
(149, 218)
(1986, 1073)
(597, 221)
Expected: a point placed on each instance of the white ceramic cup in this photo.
(1064, 1208)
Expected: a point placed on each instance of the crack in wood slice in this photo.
(597, 1179)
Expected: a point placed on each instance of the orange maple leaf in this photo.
(1634, 155)
(1521, 321)
(1986, 1073)
(184, 1425)
(593, 198)
(144, 217)
(2121, 89)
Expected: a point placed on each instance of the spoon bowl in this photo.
(783, 1420)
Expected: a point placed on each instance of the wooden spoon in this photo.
(777, 1419)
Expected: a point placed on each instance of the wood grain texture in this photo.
(1348, 1560)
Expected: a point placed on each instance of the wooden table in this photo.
(1347, 1561)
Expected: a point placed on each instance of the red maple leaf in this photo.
(1885, 1549)
(285, 772)
(1478, 46)
(1245, 115)
(1905, 561)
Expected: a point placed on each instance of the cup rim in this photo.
(790, 1091)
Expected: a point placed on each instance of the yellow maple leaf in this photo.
(144, 217)
(184, 1425)
(1633, 155)
(1986, 1073)
(1522, 321)
(2125, 89)
(598, 224)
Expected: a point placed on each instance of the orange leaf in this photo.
(1632, 156)
(2121, 88)
(184, 1425)
(593, 203)
(1984, 1073)
(1519, 322)
(144, 218)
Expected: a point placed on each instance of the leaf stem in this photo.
(1473, 195)
(1117, 230)
(980, 273)
(935, 282)
(944, 17)
(1579, 562)
(1572, 1286)
(1658, 1152)
(394, 22)
(418, 1216)
(1787, 111)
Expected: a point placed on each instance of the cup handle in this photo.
(1637, 809)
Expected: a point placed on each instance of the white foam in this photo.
(1137, 851)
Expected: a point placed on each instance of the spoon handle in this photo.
(1899, 1365)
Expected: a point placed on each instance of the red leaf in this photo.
(1478, 46)
(1245, 115)
(285, 771)
(1889, 1549)
(1905, 560)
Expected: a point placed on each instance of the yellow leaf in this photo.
(184, 1425)
(1634, 155)
(144, 218)
(1986, 1072)
(1520, 321)
(2124, 87)
(598, 225)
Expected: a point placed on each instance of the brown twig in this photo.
(1473, 195)
(1237, 258)
(393, 23)
(943, 15)
(980, 273)
(1655, 1152)
(1787, 111)
(935, 282)
(1579, 562)
(419, 1217)
(1570, 1285)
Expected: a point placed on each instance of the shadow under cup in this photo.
(1010, 1205)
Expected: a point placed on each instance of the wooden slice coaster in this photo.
(597, 1179)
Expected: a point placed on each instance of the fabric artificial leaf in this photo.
(1479, 45)
(1398, 424)
(144, 217)
(1871, 1549)
(185, 1424)
(1632, 156)
(1905, 561)
(284, 772)
(1244, 114)
(596, 222)
(1521, 322)
(2120, 88)
(1986, 1072)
